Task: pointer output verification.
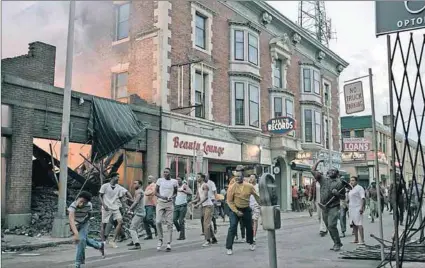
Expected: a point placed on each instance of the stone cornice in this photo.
(281, 91)
(312, 103)
(201, 5)
(247, 24)
(245, 74)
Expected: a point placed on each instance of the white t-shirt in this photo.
(111, 196)
(166, 187)
(355, 197)
(212, 189)
(207, 202)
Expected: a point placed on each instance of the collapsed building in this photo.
(123, 137)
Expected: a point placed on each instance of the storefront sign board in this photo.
(181, 144)
(356, 145)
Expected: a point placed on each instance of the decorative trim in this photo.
(120, 68)
(296, 39)
(282, 91)
(248, 24)
(321, 55)
(266, 18)
(339, 68)
(247, 75)
(201, 5)
(311, 103)
(311, 64)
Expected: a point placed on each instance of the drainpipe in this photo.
(160, 142)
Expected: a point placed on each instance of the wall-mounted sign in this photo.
(354, 98)
(353, 156)
(276, 170)
(398, 16)
(304, 156)
(251, 153)
(280, 125)
(356, 145)
(181, 144)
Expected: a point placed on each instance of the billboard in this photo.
(356, 145)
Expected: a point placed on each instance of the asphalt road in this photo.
(298, 246)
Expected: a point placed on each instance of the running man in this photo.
(79, 215)
(110, 195)
(238, 197)
(166, 191)
(150, 207)
(139, 213)
(180, 208)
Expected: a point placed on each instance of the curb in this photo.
(35, 246)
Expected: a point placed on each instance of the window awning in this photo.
(111, 125)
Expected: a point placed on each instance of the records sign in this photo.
(280, 125)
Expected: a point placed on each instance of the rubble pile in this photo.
(44, 205)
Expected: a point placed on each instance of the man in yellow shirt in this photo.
(238, 197)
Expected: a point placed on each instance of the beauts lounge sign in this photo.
(194, 145)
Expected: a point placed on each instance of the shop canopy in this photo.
(111, 125)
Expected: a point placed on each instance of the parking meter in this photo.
(270, 213)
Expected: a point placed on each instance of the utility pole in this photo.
(375, 149)
(375, 146)
(60, 224)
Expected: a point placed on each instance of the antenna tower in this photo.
(312, 17)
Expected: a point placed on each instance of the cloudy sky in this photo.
(353, 21)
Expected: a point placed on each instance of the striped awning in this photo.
(111, 125)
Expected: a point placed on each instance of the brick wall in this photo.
(183, 52)
(20, 173)
(38, 65)
(92, 66)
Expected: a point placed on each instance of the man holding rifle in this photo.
(332, 190)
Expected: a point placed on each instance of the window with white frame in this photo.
(239, 44)
(252, 49)
(318, 126)
(327, 94)
(239, 103)
(311, 80)
(254, 106)
(245, 45)
(327, 134)
(201, 80)
(289, 107)
(200, 30)
(278, 107)
(277, 74)
(245, 103)
(119, 85)
(312, 126)
(308, 125)
(122, 19)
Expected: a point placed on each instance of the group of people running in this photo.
(165, 202)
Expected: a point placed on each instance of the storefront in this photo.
(187, 155)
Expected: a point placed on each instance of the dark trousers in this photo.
(242, 227)
(295, 204)
(400, 209)
(179, 218)
(149, 220)
(234, 219)
(343, 219)
(330, 217)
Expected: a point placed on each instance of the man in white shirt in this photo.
(110, 195)
(180, 208)
(166, 191)
(212, 191)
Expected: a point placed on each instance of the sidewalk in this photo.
(25, 243)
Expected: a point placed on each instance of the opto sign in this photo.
(354, 98)
(280, 125)
(356, 145)
(398, 16)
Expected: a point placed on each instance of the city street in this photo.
(298, 245)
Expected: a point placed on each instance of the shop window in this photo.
(359, 133)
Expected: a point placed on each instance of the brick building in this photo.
(31, 107)
(219, 70)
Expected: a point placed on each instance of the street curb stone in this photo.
(34, 246)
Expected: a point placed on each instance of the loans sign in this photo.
(280, 125)
(354, 98)
(356, 145)
(398, 16)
